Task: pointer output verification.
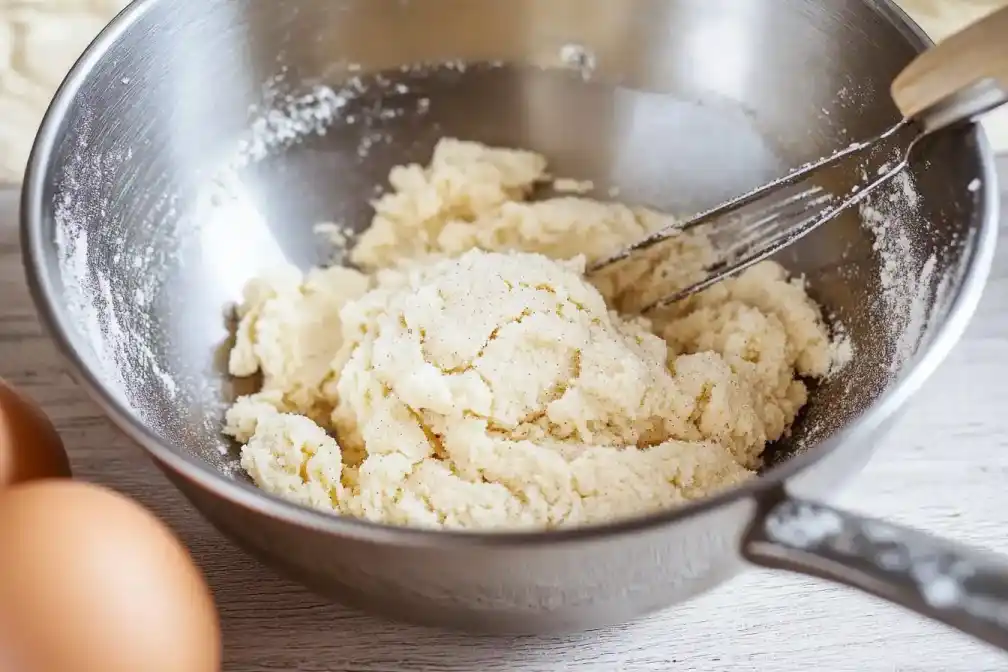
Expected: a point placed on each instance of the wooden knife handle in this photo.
(976, 53)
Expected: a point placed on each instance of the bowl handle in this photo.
(966, 588)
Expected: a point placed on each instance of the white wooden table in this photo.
(944, 468)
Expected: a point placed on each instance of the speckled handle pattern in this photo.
(966, 588)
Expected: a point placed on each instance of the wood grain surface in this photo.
(962, 60)
(944, 468)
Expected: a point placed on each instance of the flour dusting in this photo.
(283, 119)
(841, 350)
(83, 197)
(906, 279)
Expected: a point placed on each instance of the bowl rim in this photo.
(43, 285)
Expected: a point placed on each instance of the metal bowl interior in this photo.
(197, 145)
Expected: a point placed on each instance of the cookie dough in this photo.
(472, 376)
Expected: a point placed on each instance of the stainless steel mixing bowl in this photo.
(154, 192)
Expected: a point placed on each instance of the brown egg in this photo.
(30, 448)
(92, 582)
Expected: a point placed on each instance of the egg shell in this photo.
(30, 447)
(92, 582)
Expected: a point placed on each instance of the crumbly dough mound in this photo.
(474, 196)
(290, 330)
(474, 378)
